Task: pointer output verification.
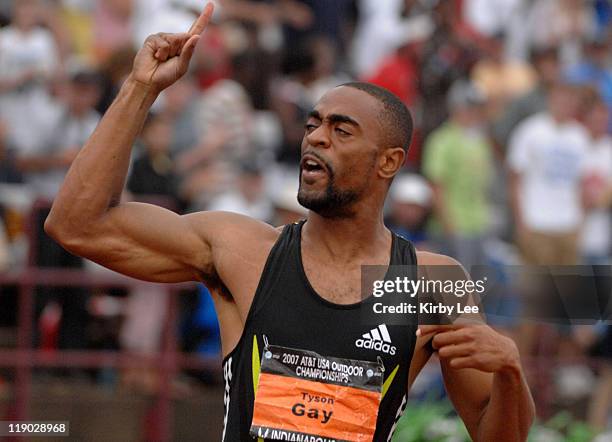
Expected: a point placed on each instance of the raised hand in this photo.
(164, 58)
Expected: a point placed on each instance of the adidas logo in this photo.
(377, 339)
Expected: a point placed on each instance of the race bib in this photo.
(303, 396)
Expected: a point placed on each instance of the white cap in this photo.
(285, 197)
(411, 188)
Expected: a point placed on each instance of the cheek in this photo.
(356, 170)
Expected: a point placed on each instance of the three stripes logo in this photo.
(377, 339)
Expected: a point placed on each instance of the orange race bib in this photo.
(305, 397)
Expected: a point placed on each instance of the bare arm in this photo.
(482, 374)
(139, 240)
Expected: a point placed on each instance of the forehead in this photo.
(354, 103)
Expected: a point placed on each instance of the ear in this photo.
(391, 161)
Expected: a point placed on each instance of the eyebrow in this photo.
(334, 118)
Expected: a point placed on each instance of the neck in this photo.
(347, 239)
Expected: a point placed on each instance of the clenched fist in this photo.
(164, 58)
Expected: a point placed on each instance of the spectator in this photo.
(74, 121)
(546, 161)
(597, 193)
(326, 19)
(179, 105)
(399, 72)
(152, 172)
(458, 162)
(595, 69)
(112, 27)
(76, 18)
(546, 63)
(9, 172)
(568, 23)
(448, 55)
(381, 28)
(223, 116)
(28, 59)
(490, 17)
(287, 209)
(501, 79)
(248, 197)
(411, 204)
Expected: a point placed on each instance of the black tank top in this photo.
(289, 313)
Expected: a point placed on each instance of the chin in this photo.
(321, 203)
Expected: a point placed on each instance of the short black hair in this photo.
(396, 119)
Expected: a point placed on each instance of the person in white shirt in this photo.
(546, 159)
(28, 59)
(72, 123)
(596, 235)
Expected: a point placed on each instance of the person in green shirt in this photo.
(458, 162)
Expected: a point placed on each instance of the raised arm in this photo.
(139, 240)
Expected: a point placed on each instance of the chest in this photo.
(334, 283)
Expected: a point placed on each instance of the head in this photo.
(26, 14)
(466, 104)
(299, 63)
(564, 101)
(546, 62)
(597, 50)
(84, 92)
(595, 114)
(355, 142)
(157, 134)
(411, 201)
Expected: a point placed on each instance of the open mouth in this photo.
(312, 169)
(309, 165)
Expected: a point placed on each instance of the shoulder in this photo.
(430, 258)
(437, 266)
(229, 227)
(233, 241)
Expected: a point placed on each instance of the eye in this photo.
(309, 127)
(341, 131)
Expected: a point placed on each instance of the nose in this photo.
(319, 137)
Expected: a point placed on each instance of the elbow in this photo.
(56, 229)
(52, 228)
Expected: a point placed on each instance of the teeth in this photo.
(311, 163)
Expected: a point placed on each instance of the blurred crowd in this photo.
(511, 158)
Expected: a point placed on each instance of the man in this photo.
(459, 163)
(306, 294)
(546, 159)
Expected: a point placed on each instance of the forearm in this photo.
(510, 410)
(97, 176)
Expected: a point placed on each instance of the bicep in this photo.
(150, 243)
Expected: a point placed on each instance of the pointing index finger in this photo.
(202, 21)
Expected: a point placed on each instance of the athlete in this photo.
(298, 286)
